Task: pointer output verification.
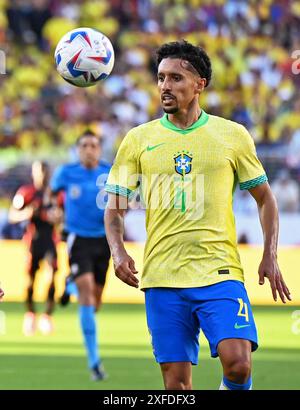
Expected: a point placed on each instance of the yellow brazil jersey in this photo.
(187, 180)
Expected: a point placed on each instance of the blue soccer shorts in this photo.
(175, 317)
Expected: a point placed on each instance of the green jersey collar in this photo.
(168, 124)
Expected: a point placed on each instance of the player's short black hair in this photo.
(44, 165)
(88, 133)
(184, 50)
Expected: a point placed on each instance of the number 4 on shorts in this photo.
(244, 306)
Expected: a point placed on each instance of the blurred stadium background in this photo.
(256, 80)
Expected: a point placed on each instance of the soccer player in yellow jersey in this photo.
(186, 166)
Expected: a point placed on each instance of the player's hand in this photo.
(125, 269)
(269, 268)
(54, 215)
(1, 294)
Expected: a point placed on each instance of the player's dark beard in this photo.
(171, 110)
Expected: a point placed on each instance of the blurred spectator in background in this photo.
(286, 192)
(34, 204)
(27, 19)
(1, 294)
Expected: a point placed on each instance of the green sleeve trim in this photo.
(119, 190)
(254, 182)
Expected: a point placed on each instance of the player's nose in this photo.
(89, 149)
(165, 85)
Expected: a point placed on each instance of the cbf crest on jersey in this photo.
(183, 162)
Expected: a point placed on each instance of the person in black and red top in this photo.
(42, 210)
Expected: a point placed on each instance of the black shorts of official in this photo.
(41, 247)
(88, 255)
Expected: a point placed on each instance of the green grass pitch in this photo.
(58, 361)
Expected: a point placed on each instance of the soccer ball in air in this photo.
(84, 57)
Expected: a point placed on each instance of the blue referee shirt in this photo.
(85, 197)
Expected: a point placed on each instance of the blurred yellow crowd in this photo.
(250, 44)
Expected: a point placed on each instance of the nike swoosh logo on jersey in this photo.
(236, 326)
(154, 146)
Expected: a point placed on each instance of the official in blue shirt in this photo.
(89, 254)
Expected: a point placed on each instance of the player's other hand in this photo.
(125, 269)
(269, 268)
(1, 294)
(54, 215)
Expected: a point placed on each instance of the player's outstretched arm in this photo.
(114, 225)
(268, 215)
(16, 215)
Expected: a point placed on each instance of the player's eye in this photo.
(160, 78)
(177, 78)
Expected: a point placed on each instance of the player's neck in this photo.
(90, 166)
(184, 119)
(40, 186)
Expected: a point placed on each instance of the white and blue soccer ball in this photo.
(84, 57)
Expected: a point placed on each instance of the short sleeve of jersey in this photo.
(58, 180)
(250, 171)
(23, 197)
(123, 177)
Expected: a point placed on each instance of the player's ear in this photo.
(201, 82)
